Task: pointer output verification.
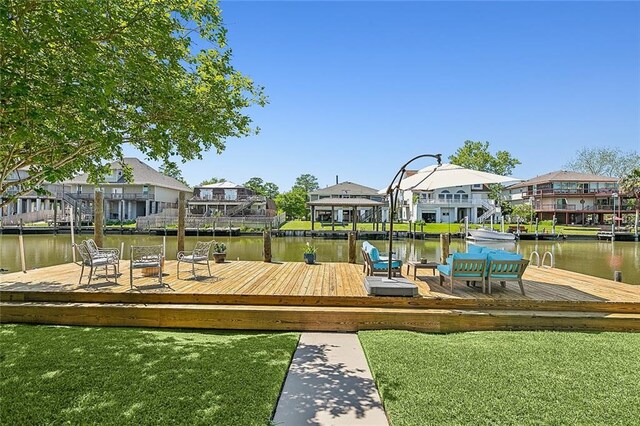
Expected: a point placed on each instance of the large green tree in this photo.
(81, 78)
(630, 184)
(475, 155)
(293, 203)
(604, 161)
(259, 186)
(171, 169)
(306, 182)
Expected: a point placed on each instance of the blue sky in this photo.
(358, 88)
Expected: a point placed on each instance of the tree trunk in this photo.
(98, 218)
(182, 212)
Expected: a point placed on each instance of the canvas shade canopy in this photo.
(449, 175)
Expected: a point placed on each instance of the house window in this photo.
(145, 189)
(476, 186)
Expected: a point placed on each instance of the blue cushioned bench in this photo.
(499, 265)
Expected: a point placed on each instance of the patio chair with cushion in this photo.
(96, 251)
(465, 266)
(146, 257)
(198, 256)
(95, 262)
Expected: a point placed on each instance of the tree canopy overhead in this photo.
(612, 162)
(475, 155)
(78, 79)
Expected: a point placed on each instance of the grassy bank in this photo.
(438, 228)
(506, 377)
(83, 375)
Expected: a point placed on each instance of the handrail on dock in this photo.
(537, 257)
(551, 260)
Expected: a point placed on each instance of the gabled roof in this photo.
(143, 174)
(345, 188)
(224, 185)
(564, 176)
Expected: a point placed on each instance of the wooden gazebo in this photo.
(351, 203)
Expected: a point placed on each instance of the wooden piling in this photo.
(266, 251)
(617, 276)
(182, 212)
(98, 217)
(444, 248)
(352, 247)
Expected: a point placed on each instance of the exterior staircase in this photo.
(490, 210)
(237, 211)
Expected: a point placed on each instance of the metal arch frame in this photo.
(393, 198)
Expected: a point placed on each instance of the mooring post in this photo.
(444, 248)
(21, 243)
(617, 276)
(98, 217)
(352, 247)
(266, 251)
(181, 216)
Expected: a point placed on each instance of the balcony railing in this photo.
(110, 196)
(576, 207)
(473, 201)
(222, 199)
(551, 192)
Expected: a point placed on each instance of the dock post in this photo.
(98, 217)
(181, 216)
(352, 247)
(617, 276)
(21, 243)
(444, 248)
(266, 241)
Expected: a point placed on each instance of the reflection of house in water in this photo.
(229, 199)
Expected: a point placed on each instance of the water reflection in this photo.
(598, 258)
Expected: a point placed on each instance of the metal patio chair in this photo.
(146, 257)
(97, 252)
(198, 256)
(93, 262)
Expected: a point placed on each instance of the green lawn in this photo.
(506, 377)
(305, 225)
(83, 375)
(438, 228)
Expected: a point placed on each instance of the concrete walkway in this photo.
(329, 383)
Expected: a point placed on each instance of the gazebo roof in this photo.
(346, 202)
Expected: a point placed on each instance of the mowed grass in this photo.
(506, 377)
(82, 375)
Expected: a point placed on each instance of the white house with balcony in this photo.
(449, 193)
(150, 191)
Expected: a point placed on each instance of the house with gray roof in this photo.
(150, 191)
(570, 197)
(346, 202)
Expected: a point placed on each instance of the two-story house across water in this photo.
(229, 199)
(150, 191)
(571, 197)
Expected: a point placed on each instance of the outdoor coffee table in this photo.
(419, 265)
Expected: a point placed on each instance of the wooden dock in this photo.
(328, 297)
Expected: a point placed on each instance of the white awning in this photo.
(449, 175)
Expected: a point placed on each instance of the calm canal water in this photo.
(597, 258)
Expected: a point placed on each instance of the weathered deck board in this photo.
(328, 296)
(327, 279)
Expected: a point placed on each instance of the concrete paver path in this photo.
(329, 383)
